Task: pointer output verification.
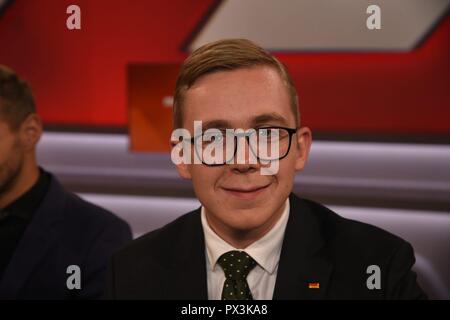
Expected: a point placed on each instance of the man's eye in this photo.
(213, 137)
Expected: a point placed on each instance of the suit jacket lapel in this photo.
(187, 275)
(303, 260)
(37, 239)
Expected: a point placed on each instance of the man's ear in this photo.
(31, 131)
(182, 168)
(303, 145)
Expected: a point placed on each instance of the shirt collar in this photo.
(265, 251)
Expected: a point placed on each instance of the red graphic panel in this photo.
(80, 77)
(150, 89)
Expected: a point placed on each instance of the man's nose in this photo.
(244, 160)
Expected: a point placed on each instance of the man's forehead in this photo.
(238, 85)
(239, 116)
(251, 73)
(272, 118)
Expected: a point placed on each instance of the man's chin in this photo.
(247, 220)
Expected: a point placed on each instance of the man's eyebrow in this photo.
(269, 118)
(273, 118)
(219, 124)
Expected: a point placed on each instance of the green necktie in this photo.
(236, 265)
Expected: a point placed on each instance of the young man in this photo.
(252, 238)
(46, 234)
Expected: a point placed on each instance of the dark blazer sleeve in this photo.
(114, 236)
(401, 280)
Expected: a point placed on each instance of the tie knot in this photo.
(236, 264)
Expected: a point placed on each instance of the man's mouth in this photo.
(246, 192)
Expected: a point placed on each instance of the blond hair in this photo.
(223, 55)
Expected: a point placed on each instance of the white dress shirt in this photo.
(265, 251)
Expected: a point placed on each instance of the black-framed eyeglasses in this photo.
(217, 147)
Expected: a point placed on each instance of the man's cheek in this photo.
(203, 181)
(271, 168)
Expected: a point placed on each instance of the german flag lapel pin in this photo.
(313, 285)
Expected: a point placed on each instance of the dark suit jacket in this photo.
(319, 246)
(65, 230)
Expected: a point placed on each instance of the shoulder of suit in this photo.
(356, 235)
(80, 209)
(157, 241)
(81, 214)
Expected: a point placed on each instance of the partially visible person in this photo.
(43, 228)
